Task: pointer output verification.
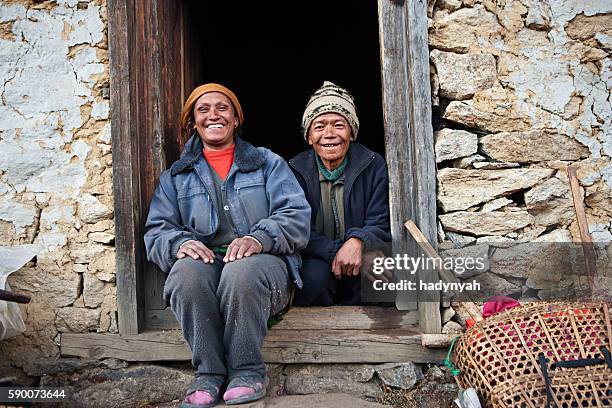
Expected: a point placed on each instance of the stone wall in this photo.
(522, 90)
(55, 174)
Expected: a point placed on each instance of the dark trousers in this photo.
(321, 288)
(223, 310)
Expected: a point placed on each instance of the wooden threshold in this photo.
(315, 318)
(305, 335)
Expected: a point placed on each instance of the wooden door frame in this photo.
(143, 59)
(404, 53)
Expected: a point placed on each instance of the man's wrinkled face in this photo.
(330, 137)
(215, 120)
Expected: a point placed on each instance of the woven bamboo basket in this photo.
(540, 355)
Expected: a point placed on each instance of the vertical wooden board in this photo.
(399, 149)
(409, 135)
(424, 165)
(126, 180)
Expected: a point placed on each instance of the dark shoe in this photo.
(244, 389)
(203, 393)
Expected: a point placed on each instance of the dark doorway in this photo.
(275, 55)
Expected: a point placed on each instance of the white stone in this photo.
(452, 328)
(494, 165)
(77, 319)
(100, 110)
(94, 291)
(483, 118)
(466, 162)
(80, 149)
(551, 203)
(101, 237)
(105, 135)
(532, 146)
(462, 30)
(79, 268)
(451, 144)
(91, 210)
(447, 314)
(481, 224)
(462, 75)
(496, 204)
(496, 241)
(539, 16)
(19, 214)
(461, 189)
(85, 253)
(60, 288)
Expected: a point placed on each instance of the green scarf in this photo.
(334, 174)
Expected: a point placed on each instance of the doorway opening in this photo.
(275, 61)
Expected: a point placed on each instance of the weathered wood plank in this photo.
(347, 346)
(347, 318)
(126, 178)
(155, 346)
(280, 346)
(399, 149)
(317, 318)
(424, 166)
(409, 137)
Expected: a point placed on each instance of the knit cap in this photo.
(201, 90)
(330, 98)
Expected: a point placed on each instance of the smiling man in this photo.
(346, 185)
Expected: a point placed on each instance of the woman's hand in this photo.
(242, 247)
(348, 258)
(196, 250)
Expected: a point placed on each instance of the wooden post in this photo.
(126, 177)
(408, 130)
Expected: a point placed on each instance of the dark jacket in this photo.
(262, 193)
(366, 200)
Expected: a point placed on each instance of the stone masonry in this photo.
(55, 173)
(523, 89)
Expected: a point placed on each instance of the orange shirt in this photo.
(220, 160)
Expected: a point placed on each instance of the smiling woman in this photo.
(228, 259)
(215, 120)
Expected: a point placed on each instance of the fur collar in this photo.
(246, 156)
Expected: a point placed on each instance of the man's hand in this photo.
(348, 258)
(242, 247)
(196, 250)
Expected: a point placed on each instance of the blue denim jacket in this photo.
(262, 193)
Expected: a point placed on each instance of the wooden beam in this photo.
(409, 134)
(347, 346)
(317, 318)
(280, 346)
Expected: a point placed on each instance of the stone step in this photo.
(298, 401)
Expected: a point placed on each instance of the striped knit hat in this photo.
(330, 98)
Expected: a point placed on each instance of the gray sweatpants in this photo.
(223, 310)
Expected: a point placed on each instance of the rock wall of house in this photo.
(522, 89)
(55, 170)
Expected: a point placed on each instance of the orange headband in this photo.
(201, 90)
